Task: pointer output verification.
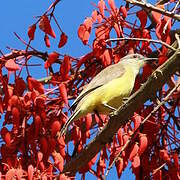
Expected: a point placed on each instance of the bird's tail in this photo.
(68, 122)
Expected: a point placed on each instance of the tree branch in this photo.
(122, 115)
(154, 8)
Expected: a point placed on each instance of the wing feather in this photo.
(111, 72)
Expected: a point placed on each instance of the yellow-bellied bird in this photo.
(106, 91)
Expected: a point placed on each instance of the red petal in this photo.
(63, 40)
(31, 31)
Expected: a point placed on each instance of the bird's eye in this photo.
(135, 56)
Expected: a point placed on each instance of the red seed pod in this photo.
(163, 154)
(88, 119)
(81, 31)
(34, 84)
(125, 138)
(20, 86)
(15, 117)
(92, 161)
(65, 68)
(30, 172)
(112, 5)
(136, 161)
(6, 136)
(137, 120)
(117, 28)
(63, 92)
(61, 144)
(55, 127)
(13, 101)
(120, 136)
(44, 145)
(58, 160)
(39, 156)
(134, 151)
(107, 57)
(47, 40)
(157, 175)
(142, 17)
(52, 58)
(39, 102)
(123, 10)
(157, 16)
(45, 26)
(94, 15)
(38, 125)
(63, 40)
(101, 6)
(11, 174)
(86, 37)
(143, 143)
(99, 18)
(31, 31)
(176, 160)
(88, 22)
(119, 166)
(84, 59)
(11, 65)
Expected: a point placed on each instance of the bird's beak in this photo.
(151, 60)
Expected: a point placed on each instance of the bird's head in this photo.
(137, 60)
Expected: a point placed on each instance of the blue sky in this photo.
(17, 16)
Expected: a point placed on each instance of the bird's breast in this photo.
(114, 92)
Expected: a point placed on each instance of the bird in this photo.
(107, 90)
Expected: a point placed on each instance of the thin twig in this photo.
(142, 39)
(154, 8)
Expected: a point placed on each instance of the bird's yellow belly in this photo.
(112, 94)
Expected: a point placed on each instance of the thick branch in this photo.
(21, 53)
(121, 117)
(154, 8)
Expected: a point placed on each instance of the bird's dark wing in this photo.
(111, 72)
